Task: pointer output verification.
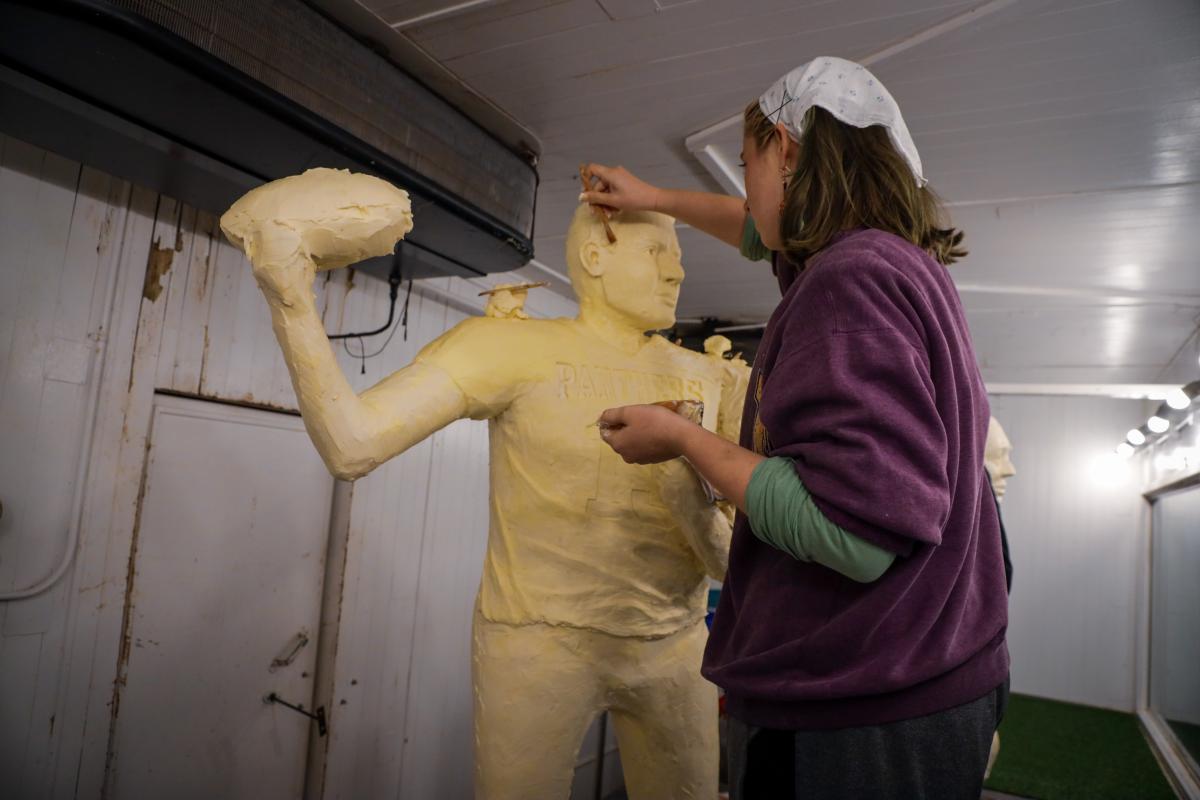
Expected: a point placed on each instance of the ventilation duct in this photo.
(204, 99)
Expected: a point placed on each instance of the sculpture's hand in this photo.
(621, 190)
(323, 219)
(679, 486)
(704, 525)
(281, 268)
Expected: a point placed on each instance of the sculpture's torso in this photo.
(577, 537)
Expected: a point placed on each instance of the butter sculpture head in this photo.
(332, 216)
(636, 278)
(997, 457)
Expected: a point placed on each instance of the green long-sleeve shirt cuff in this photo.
(782, 514)
(752, 246)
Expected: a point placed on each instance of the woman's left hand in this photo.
(645, 434)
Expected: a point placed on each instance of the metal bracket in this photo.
(319, 716)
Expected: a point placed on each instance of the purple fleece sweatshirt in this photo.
(866, 377)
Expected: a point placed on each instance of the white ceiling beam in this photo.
(1034, 198)
(934, 31)
(441, 13)
(696, 143)
(1103, 294)
(1082, 293)
(1123, 391)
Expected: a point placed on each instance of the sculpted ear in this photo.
(589, 257)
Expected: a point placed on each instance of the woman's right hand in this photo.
(619, 189)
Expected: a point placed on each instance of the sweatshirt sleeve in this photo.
(782, 514)
(853, 404)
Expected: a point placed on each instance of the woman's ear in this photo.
(789, 148)
(589, 257)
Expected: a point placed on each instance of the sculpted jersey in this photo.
(577, 536)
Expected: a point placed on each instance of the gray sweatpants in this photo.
(941, 756)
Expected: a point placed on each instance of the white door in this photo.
(228, 567)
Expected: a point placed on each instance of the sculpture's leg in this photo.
(992, 754)
(536, 692)
(665, 717)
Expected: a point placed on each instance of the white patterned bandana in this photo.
(848, 91)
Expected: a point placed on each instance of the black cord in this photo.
(404, 315)
(394, 280)
(362, 355)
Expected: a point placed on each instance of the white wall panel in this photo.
(60, 228)
(417, 525)
(1076, 540)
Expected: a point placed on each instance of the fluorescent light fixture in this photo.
(1135, 437)
(1157, 424)
(1178, 400)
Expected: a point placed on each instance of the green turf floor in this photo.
(1061, 751)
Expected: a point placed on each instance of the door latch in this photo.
(319, 716)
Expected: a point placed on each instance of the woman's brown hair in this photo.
(849, 177)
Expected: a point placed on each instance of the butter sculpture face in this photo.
(594, 578)
(638, 276)
(997, 457)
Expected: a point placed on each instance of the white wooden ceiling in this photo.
(1063, 134)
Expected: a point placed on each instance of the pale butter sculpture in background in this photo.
(507, 300)
(593, 589)
(997, 459)
(737, 379)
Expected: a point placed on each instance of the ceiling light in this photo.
(1178, 400)
(1135, 437)
(1124, 449)
(1157, 424)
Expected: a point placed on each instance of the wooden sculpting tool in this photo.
(586, 177)
(521, 287)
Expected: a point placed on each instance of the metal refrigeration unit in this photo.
(205, 99)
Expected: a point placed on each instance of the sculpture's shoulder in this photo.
(502, 342)
(684, 360)
(491, 359)
(532, 335)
